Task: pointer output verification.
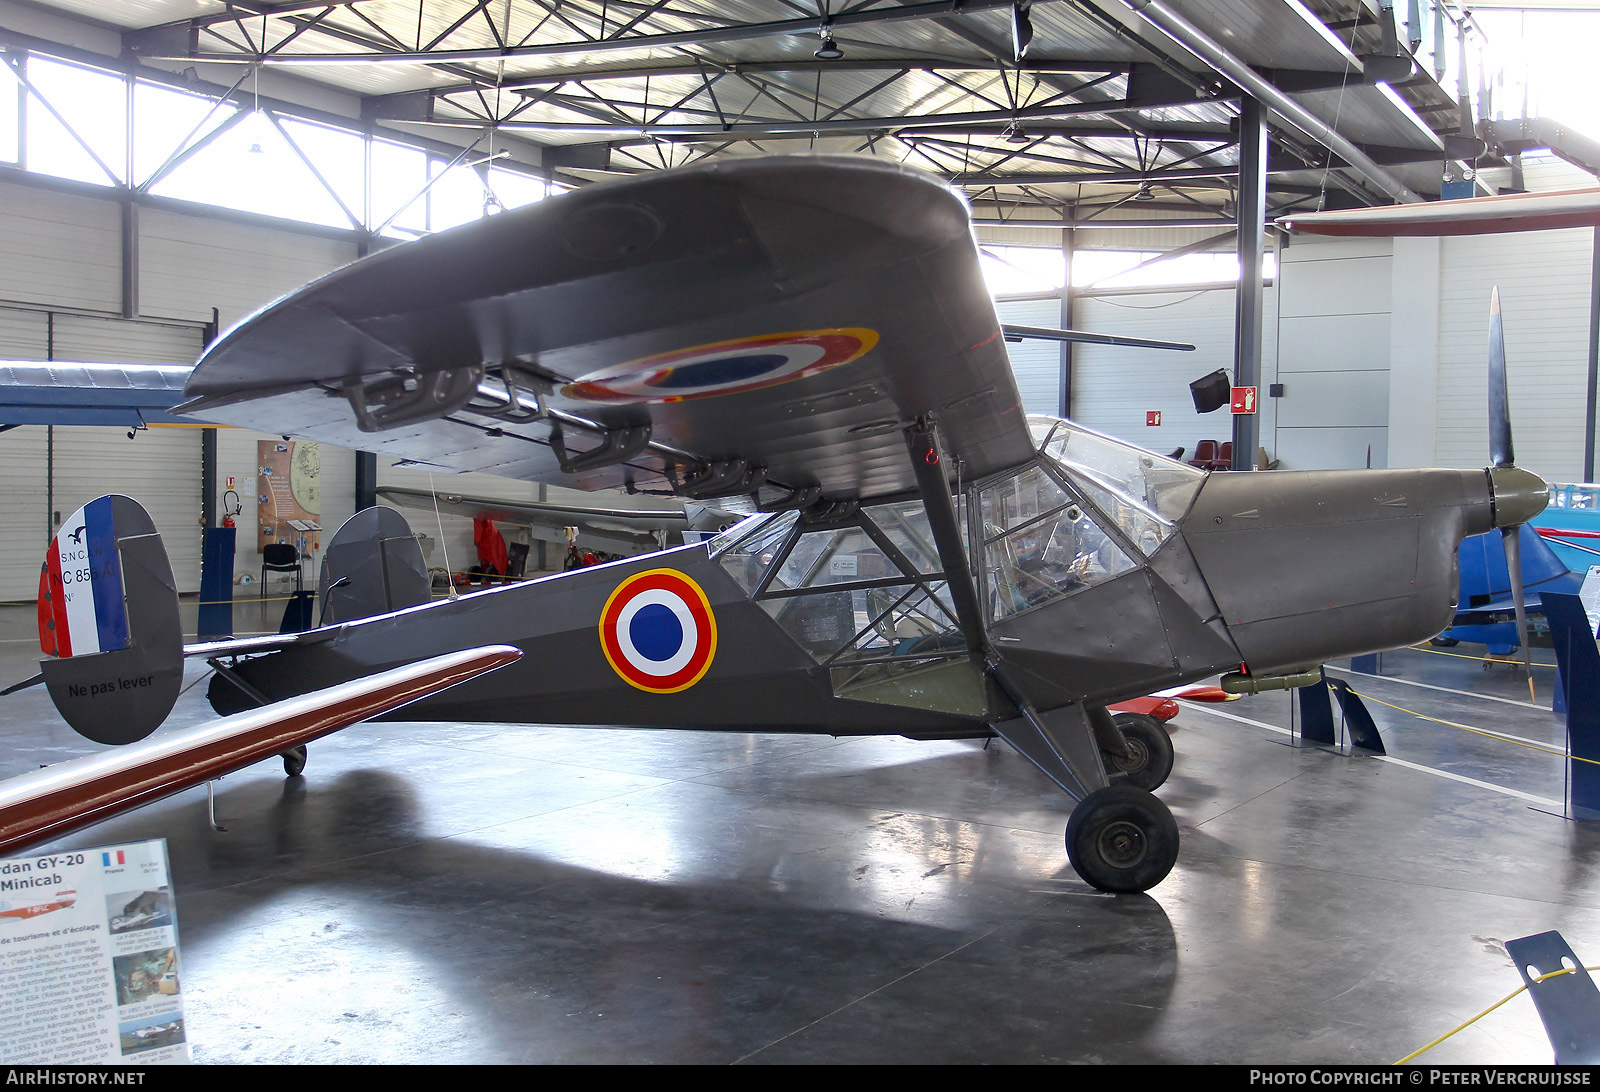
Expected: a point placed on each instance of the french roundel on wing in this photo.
(658, 631)
(723, 367)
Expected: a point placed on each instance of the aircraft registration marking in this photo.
(658, 631)
(81, 608)
(723, 367)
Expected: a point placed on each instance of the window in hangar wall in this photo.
(1019, 270)
(71, 120)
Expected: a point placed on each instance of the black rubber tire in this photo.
(1150, 755)
(1122, 839)
(294, 761)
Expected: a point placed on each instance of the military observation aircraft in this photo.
(810, 337)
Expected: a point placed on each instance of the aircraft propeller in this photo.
(1503, 458)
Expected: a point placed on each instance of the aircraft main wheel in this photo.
(1150, 755)
(1122, 839)
(294, 761)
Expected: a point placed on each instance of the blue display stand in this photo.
(1568, 1004)
(1579, 664)
(216, 583)
(299, 612)
(1316, 716)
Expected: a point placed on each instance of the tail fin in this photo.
(373, 566)
(108, 620)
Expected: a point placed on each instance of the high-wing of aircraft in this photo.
(1462, 216)
(812, 337)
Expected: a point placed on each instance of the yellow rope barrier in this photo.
(1461, 1027)
(1475, 731)
(1479, 659)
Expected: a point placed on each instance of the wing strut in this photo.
(928, 466)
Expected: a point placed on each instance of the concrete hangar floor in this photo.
(481, 893)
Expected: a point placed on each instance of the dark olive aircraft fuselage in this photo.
(1275, 571)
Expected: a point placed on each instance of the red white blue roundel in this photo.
(723, 367)
(658, 632)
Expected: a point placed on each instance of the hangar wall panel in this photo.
(1334, 308)
(96, 338)
(24, 532)
(1113, 388)
(24, 334)
(190, 264)
(61, 250)
(1544, 296)
(159, 468)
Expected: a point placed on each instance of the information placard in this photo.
(89, 970)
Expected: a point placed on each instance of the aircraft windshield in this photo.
(1143, 492)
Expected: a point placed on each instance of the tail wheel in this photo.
(1149, 757)
(1122, 839)
(294, 761)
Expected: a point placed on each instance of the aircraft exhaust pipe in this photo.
(1517, 495)
(1235, 683)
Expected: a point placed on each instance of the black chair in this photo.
(281, 557)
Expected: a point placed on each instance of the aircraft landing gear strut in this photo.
(1122, 839)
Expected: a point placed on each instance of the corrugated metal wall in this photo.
(1544, 295)
(189, 264)
(1333, 353)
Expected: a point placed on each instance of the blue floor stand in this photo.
(1568, 1004)
(1316, 716)
(1578, 662)
(216, 583)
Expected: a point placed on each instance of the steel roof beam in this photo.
(930, 9)
(781, 127)
(847, 64)
(1193, 38)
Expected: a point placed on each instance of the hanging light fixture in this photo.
(829, 50)
(1144, 193)
(1016, 134)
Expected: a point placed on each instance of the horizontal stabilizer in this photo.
(1047, 333)
(65, 797)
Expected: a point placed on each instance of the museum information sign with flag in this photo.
(89, 958)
